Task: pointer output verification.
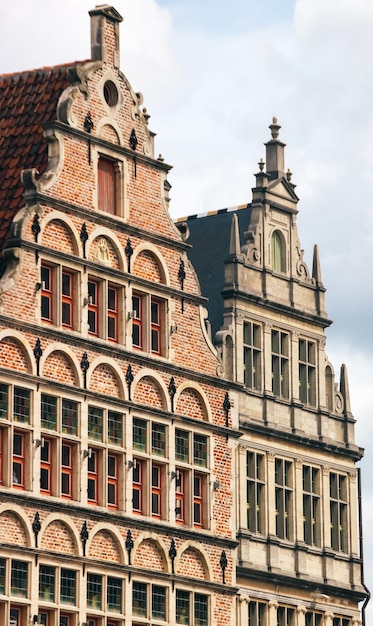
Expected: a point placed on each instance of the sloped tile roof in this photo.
(27, 100)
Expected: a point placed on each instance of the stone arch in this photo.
(149, 389)
(194, 562)
(192, 401)
(59, 363)
(15, 527)
(59, 233)
(109, 253)
(107, 127)
(148, 263)
(105, 545)
(278, 251)
(15, 352)
(104, 376)
(59, 535)
(150, 553)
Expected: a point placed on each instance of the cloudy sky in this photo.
(213, 74)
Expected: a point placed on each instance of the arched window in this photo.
(278, 252)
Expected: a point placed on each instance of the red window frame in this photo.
(180, 496)
(137, 321)
(112, 313)
(67, 299)
(198, 499)
(46, 465)
(107, 185)
(93, 461)
(18, 480)
(155, 325)
(137, 486)
(156, 494)
(67, 457)
(112, 480)
(46, 277)
(93, 304)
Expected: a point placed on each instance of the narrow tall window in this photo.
(137, 322)
(285, 616)
(47, 579)
(93, 307)
(112, 481)
(67, 299)
(155, 321)
(257, 611)
(255, 485)
(191, 502)
(278, 252)
(46, 467)
(307, 372)
(93, 462)
(252, 355)
(283, 497)
(311, 505)
(112, 313)
(94, 591)
(46, 293)
(19, 460)
(313, 619)
(19, 579)
(107, 187)
(280, 363)
(67, 469)
(338, 512)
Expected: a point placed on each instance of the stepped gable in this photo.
(27, 100)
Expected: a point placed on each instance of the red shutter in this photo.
(107, 191)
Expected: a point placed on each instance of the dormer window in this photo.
(278, 252)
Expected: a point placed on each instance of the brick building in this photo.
(117, 433)
(299, 560)
(148, 476)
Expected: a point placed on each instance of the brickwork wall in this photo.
(58, 538)
(104, 547)
(148, 392)
(104, 380)
(58, 367)
(12, 529)
(13, 355)
(146, 266)
(149, 555)
(191, 561)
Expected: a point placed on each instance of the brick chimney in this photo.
(105, 22)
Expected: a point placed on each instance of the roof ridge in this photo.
(214, 212)
(43, 69)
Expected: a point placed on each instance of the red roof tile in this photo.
(27, 100)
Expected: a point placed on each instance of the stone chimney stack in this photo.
(105, 22)
(275, 153)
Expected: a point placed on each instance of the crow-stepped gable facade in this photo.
(117, 438)
(148, 476)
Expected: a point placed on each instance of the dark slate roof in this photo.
(27, 100)
(210, 238)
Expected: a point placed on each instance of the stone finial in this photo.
(316, 267)
(234, 246)
(344, 389)
(274, 128)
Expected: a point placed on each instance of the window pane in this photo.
(48, 412)
(95, 423)
(200, 610)
(115, 428)
(139, 599)
(69, 417)
(21, 404)
(159, 439)
(182, 445)
(182, 607)
(139, 434)
(2, 576)
(200, 450)
(158, 603)
(4, 397)
(94, 591)
(114, 594)
(18, 580)
(68, 587)
(46, 583)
